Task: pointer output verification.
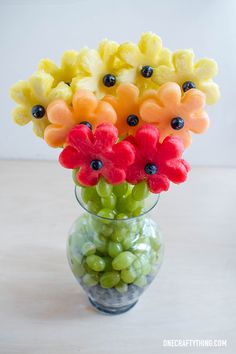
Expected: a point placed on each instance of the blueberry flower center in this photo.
(96, 165)
(146, 71)
(109, 80)
(150, 169)
(177, 123)
(132, 120)
(38, 111)
(188, 85)
(87, 124)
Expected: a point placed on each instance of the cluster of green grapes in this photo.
(114, 254)
(114, 202)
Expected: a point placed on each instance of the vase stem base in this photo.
(109, 310)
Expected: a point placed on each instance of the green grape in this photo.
(140, 223)
(142, 245)
(88, 248)
(100, 243)
(109, 279)
(123, 260)
(143, 259)
(129, 241)
(121, 204)
(96, 263)
(77, 268)
(153, 256)
(121, 287)
(120, 189)
(96, 197)
(138, 211)
(88, 269)
(114, 248)
(155, 243)
(132, 227)
(108, 264)
(106, 230)
(121, 216)
(103, 188)
(131, 204)
(109, 202)
(128, 226)
(137, 264)
(146, 266)
(93, 207)
(144, 239)
(77, 256)
(88, 194)
(130, 188)
(118, 235)
(146, 269)
(74, 173)
(90, 280)
(128, 275)
(107, 214)
(141, 281)
(140, 191)
(96, 224)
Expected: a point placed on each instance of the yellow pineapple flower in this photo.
(141, 61)
(33, 97)
(98, 69)
(190, 75)
(66, 72)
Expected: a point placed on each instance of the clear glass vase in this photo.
(115, 260)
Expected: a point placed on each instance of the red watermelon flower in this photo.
(97, 154)
(158, 163)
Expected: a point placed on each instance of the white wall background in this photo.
(30, 30)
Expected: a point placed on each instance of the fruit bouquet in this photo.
(122, 117)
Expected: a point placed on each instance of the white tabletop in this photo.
(42, 308)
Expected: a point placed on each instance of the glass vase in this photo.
(115, 260)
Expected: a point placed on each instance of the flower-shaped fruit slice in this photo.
(98, 69)
(97, 154)
(157, 163)
(86, 109)
(141, 61)
(174, 114)
(66, 72)
(126, 105)
(33, 97)
(190, 75)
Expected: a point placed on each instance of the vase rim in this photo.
(155, 198)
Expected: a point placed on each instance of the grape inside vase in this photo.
(115, 260)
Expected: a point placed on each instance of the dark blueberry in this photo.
(87, 124)
(188, 85)
(96, 165)
(132, 120)
(146, 71)
(177, 123)
(150, 169)
(109, 80)
(38, 111)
